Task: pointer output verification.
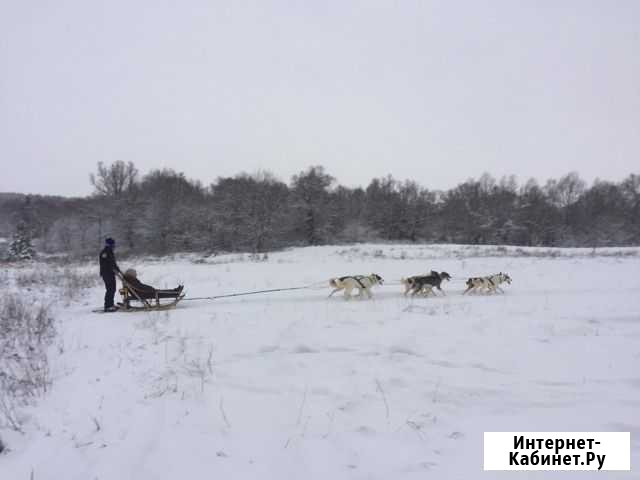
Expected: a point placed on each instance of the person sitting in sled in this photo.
(147, 291)
(108, 269)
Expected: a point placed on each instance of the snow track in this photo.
(295, 385)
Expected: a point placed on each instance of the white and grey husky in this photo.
(491, 283)
(362, 282)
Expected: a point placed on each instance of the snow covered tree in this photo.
(383, 206)
(631, 192)
(564, 194)
(250, 212)
(537, 216)
(265, 202)
(311, 202)
(169, 201)
(20, 247)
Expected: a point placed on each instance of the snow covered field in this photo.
(294, 385)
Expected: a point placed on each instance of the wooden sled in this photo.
(147, 301)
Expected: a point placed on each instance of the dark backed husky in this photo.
(362, 282)
(425, 283)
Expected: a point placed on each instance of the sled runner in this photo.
(147, 298)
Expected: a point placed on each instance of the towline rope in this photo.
(321, 284)
(249, 293)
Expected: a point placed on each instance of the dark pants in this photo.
(110, 285)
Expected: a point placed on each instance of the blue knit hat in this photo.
(110, 242)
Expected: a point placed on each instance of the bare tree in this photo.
(114, 180)
(567, 190)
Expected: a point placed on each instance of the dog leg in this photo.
(334, 291)
(347, 293)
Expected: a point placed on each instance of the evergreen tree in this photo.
(20, 247)
(311, 205)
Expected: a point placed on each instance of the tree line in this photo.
(164, 212)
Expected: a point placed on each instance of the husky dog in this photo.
(424, 283)
(491, 283)
(410, 282)
(362, 282)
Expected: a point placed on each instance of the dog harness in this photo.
(357, 279)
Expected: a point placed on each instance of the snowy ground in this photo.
(292, 385)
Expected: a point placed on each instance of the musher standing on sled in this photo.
(108, 269)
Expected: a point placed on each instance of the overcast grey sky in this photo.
(426, 90)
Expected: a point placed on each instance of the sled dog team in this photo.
(418, 284)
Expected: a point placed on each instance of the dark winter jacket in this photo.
(108, 265)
